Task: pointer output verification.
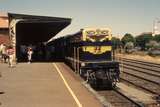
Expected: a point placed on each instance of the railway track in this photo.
(149, 64)
(141, 83)
(113, 98)
(142, 75)
(118, 99)
(144, 69)
(147, 67)
(140, 70)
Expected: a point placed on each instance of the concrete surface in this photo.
(40, 85)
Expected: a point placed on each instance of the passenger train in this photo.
(89, 53)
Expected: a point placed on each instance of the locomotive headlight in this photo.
(83, 64)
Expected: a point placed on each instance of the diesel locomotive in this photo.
(89, 53)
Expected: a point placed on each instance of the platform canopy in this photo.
(31, 29)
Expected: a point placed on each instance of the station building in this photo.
(4, 30)
(24, 30)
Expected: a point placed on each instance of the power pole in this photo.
(156, 27)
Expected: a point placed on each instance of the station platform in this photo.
(43, 85)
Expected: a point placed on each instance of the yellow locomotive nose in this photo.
(97, 49)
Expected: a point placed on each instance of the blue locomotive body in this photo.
(89, 53)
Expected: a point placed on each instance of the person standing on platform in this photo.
(1, 47)
(29, 52)
(10, 52)
(3, 53)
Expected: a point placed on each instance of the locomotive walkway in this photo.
(41, 85)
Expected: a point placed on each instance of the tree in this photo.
(152, 45)
(141, 40)
(116, 43)
(127, 38)
(157, 38)
(153, 48)
(129, 47)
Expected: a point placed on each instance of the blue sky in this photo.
(122, 16)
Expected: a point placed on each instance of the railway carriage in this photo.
(89, 53)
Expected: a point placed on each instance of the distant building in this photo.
(3, 20)
(4, 30)
(4, 39)
(146, 33)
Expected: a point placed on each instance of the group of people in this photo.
(36, 52)
(7, 54)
